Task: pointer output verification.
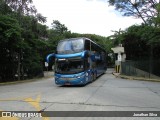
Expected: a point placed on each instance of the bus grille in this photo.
(64, 78)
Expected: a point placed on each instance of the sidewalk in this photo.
(47, 74)
(134, 77)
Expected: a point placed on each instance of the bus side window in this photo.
(86, 62)
(87, 45)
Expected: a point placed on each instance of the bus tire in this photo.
(95, 76)
(92, 77)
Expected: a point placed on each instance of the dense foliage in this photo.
(141, 42)
(144, 9)
(22, 41)
(25, 42)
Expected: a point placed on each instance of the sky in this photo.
(85, 16)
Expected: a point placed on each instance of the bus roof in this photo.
(84, 38)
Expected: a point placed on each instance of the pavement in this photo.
(107, 93)
(50, 74)
(118, 75)
(47, 74)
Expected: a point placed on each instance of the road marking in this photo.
(36, 104)
(33, 102)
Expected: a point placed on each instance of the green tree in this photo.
(4, 8)
(40, 18)
(135, 47)
(58, 27)
(21, 6)
(137, 40)
(117, 37)
(24, 7)
(58, 32)
(10, 42)
(144, 9)
(34, 50)
(156, 19)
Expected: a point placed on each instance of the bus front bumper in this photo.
(80, 81)
(76, 79)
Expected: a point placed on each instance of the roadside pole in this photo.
(120, 56)
(46, 65)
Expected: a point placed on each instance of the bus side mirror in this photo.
(52, 67)
(85, 54)
(48, 58)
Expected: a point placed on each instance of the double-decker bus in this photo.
(78, 61)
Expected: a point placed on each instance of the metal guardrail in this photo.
(147, 69)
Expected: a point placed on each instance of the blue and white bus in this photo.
(78, 61)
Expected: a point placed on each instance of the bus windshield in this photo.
(70, 46)
(69, 66)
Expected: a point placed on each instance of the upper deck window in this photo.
(70, 46)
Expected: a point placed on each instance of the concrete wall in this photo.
(142, 73)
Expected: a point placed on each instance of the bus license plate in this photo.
(67, 83)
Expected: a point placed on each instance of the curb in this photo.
(25, 81)
(135, 78)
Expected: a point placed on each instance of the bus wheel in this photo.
(92, 77)
(95, 76)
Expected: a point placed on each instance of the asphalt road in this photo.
(107, 93)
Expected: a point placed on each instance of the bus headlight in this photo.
(81, 76)
(86, 74)
(56, 77)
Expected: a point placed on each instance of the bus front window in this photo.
(70, 46)
(69, 66)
